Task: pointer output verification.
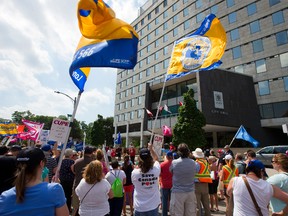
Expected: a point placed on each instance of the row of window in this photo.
(132, 91)
(257, 45)
(274, 110)
(129, 115)
(264, 86)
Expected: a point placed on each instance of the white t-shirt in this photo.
(146, 188)
(118, 173)
(243, 204)
(96, 200)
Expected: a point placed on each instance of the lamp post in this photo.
(73, 100)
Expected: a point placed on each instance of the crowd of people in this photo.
(180, 182)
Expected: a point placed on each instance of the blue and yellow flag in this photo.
(106, 41)
(201, 50)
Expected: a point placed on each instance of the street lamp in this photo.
(73, 100)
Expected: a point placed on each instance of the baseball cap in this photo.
(46, 147)
(169, 154)
(15, 148)
(228, 157)
(144, 153)
(30, 156)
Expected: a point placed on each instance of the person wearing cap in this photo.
(51, 162)
(183, 198)
(166, 182)
(78, 168)
(228, 172)
(7, 168)
(32, 196)
(14, 150)
(66, 175)
(116, 203)
(228, 151)
(146, 187)
(251, 156)
(202, 178)
(262, 190)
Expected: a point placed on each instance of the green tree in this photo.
(188, 128)
(18, 116)
(102, 131)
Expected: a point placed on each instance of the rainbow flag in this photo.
(201, 50)
(106, 41)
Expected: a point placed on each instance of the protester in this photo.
(251, 157)
(262, 191)
(214, 185)
(14, 150)
(66, 175)
(240, 164)
(132, 153)
(202, 178)
(220, 164)
(100, 157)
(8, 168)
(32, 196)
(78, 169)
(183, 198)
(145, 180)
(280, 164)
(228, 172)
(128, 167)
(116, 203)
(109, 154)
(228, 151)
(51, 162)
(94, 191)
(166, 182)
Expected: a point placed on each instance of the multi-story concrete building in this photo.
(256, 53)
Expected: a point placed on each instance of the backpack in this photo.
(117, 186)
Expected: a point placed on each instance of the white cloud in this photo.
(37, 44)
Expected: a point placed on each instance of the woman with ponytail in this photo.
(31, 196)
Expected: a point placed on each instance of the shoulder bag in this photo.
(252, 196)
(77, 211)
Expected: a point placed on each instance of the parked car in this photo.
(267, 153)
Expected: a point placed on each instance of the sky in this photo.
(37, 43)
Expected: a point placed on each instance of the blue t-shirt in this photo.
(41, 199)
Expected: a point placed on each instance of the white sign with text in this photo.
(59, 130)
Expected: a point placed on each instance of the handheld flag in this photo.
(180, 103)
(201, 50)
(166, 131)
(106, 41)
(166, 108)
(34, 129)
(149, 113)
(118, 140)
(242, 134)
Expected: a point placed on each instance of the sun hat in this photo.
(198, 153)
(144, 153)
(228, 157)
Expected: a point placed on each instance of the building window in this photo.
(165, 50)
(186, 24)
(165, 26)
(257, 46)
(281, 38)
(139, 87)
(139, 100)
(166, 63)
(251, 9)
(198, 4)
(133, 78)
(236, 51)
(136, 27)
(141, 53)
(230, 3)
(254, 27)
(127, 81)
(149, 26)
(234, 34)
(260, 66)
(285, 79)
(156, 55)
(284, 59)
(164, 3)
(132, 115)
(232, 17)
(157, 10)
(148, 37)
(239, 69)
(156, 68)
(157, 21)
(175, 31)
(139, 113)
(185, 1)
(214, 9)
(149, 48)
(126, 104)
(278, 18)
(148, 71)
(199, 17)
(157, 42)
(165, 38)
(140, 75)
(140, 64)
(149, 16)
(132, 90)
(264, 88)
(186, 12)
(142, 22)
(165, 14)
(174, 7)
(266, 111)
(148, 60)
(175, 18)
(274, 2)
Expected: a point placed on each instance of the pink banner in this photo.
(34, 129)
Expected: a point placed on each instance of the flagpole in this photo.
(157, 113)
(234, 136)
(55, 178)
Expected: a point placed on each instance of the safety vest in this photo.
(228, 174)
(204, 174)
